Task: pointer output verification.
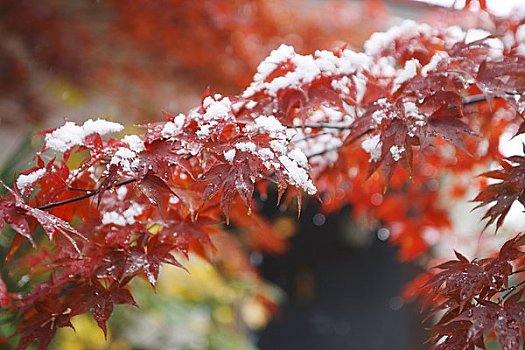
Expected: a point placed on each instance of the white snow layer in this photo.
(25, 181)
(70, 134)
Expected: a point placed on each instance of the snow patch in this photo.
(229, 155)
(269, 124)
(278, 146)
(381, 41)
(70, 134)
(433, 63)
(297, 155)
(372, 146)
(407, 73)
(25, 181)
(134, 142)
(101, 127)
(246, 146)
(125, 158)
(396, 152)
(128, 217)
(297, 175)
(173, 128)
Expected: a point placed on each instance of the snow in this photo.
(384, 67)
(65, 137)
(475, 35)
(70, 134)
(173, 128)
(384, 40)
(372, 146)
(360, 86)
(128, 217)
(169, 130)
(396, 152)
(216, 110)
(298, 156)
(497, 7)
(246, 146)
(520, 33)
(266, 154)
(520, 40)
(351, 62)
(278, 146)
(179, 120)
(407, 73)
(114, 218)
(132, 212)
(455, 34)
(25, 181)
(276, 57)
(125, 153)
(411, 108)
(204, 131)
(341, 85)
(251, 104)
(434, 61)
(496, 45)
(229, 155)
(297, 175)
(122, 191)
(134, 142)
(307, 69)
(125, 158)
(378, 116)
(101, 127)
(269, 124)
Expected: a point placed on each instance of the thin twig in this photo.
(468, 100)
(84, 196)
(350, 141)
(310, 137)
(512, 289)
(517, 271)
(320, 126)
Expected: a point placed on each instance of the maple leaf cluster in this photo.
(478, 299)
(335, 124)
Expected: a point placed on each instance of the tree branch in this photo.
(90, 193)
(472, 99)
(84, 196)
(319, 126)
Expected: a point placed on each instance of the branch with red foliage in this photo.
(413, 93)
(476, 299)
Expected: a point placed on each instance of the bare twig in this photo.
(84, 196)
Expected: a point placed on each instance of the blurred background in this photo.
(333, 284)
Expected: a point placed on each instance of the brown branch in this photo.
(84, 196)
(348, 142)
(90, 193)
(319, 126)
(310, 137)
(468, 100)
(472, 99)
(512, 289)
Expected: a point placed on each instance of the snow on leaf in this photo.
(69, 135)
